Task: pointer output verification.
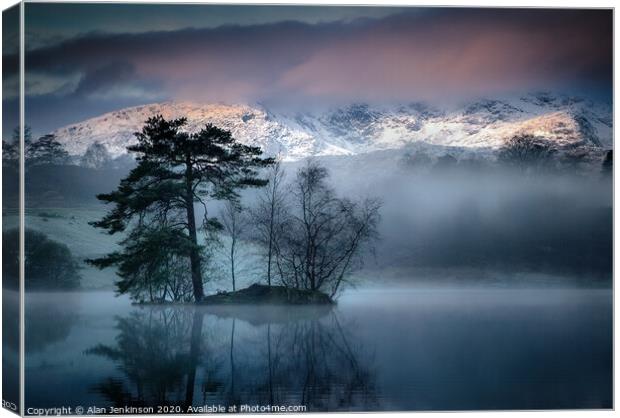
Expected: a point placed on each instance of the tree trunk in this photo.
(231, 399)
(270, 367)
(194, 354)
(269, 264)
(194, 256)
(232, 263)
(270, 248)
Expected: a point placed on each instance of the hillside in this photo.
(361, 128)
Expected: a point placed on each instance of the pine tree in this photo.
(46, 151)
(10, 154)
(176, 170)
(27, 134)
(11, 150)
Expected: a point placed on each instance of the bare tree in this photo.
(96, 156)
(234, 223)
(268, 214)
(526, 152)
(320, 238)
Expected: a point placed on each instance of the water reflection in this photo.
(195, 356)
(59, 320)
(452, 349)
(10, 347)
(152, 351)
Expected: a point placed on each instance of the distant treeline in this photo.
(534, 209)
(53, 177)
(49, 265)
(59, 185)
(535, 237)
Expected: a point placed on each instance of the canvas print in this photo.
(259, 208)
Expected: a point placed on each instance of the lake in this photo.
(377, 350)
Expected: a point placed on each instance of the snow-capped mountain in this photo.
(360, 128)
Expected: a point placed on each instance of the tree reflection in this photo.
(317, 360)
(168, 355)
(157, 350)
(47, 324)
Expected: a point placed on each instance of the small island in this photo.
(308, 238)
(275, 295)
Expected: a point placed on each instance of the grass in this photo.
(70, 227)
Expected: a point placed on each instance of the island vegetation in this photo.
(252, 219)
(310, 237)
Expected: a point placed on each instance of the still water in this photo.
(400, 349)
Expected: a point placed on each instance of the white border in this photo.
(462, 3)
(22, 211)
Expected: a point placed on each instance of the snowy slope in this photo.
(361, 128)
(115, 130)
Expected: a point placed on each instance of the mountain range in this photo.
(477, 126)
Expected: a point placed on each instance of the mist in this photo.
(466, 223)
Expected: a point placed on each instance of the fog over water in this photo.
(433, 349)
(441, 219)
(487, 289)
(472, 218)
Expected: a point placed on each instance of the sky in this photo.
(86, 59)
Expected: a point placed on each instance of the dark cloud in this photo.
(49, 23)
(117, 73)
(440, 54)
